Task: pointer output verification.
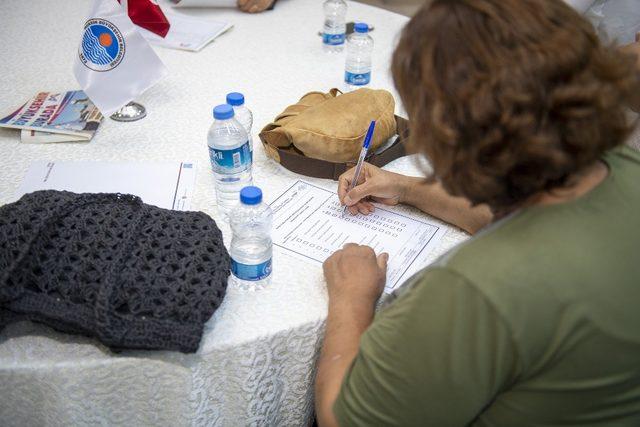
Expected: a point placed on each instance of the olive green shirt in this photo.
(534, 322)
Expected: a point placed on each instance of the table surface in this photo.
(273, 58)
(256, 360)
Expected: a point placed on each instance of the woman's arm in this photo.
(355, 279)
(345, 324)
(391, 188)
(434, 200)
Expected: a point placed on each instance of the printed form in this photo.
(168, 185)
(308, 223)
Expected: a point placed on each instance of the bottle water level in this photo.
(334, 29)
(252, 257)
(241, 113)
(251, 245)
(228, 187)
(333, 38)
(230, 156)
(358, 64)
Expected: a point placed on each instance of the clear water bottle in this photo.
(242, 113)
(335, 27)
(230, 156)
(251, 246)
(359, 49)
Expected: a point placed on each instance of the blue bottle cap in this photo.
(250, 195)
(223, 112)
(361, 27)
(235, 99)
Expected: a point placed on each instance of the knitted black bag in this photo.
(133, 276)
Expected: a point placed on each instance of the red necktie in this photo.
(148, 15)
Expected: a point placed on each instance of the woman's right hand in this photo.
(391, 188)
(373, 184)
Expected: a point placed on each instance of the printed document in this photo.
(186, 32)
(205, 3)
(308, 223)
(168, 185)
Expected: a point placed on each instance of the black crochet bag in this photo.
(109, 266)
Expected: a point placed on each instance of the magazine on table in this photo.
(38, 137)
(55, 117)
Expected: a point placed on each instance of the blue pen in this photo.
(363, 154)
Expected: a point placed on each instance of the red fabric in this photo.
(148, 15)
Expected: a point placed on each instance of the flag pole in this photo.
(130, 113)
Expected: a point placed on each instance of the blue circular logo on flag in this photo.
(102, 47)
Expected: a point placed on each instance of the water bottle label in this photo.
(333, 39)
(251, 272)
(357, 79)
(237, 159)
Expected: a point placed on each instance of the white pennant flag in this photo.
(115, 64)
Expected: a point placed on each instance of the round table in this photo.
(256, 361)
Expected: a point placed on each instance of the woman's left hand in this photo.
(254, 6)
(355, 274)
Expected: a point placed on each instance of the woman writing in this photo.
(535, 320)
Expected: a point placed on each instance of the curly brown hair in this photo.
(509, 98)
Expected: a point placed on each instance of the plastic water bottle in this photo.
(359, 49)
(230, 156)
(335, 27)
(242, 113)
(251, 246)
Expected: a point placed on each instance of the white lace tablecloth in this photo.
(255, 365)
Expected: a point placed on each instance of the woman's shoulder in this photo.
(625, 158)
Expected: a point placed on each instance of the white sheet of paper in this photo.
(168, 185)
(186, 32)
(308, 223)
(581, 5)
(205, 3)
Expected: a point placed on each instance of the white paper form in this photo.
(168, 185)
(308, 223)
(186, 32)
(205, 3)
